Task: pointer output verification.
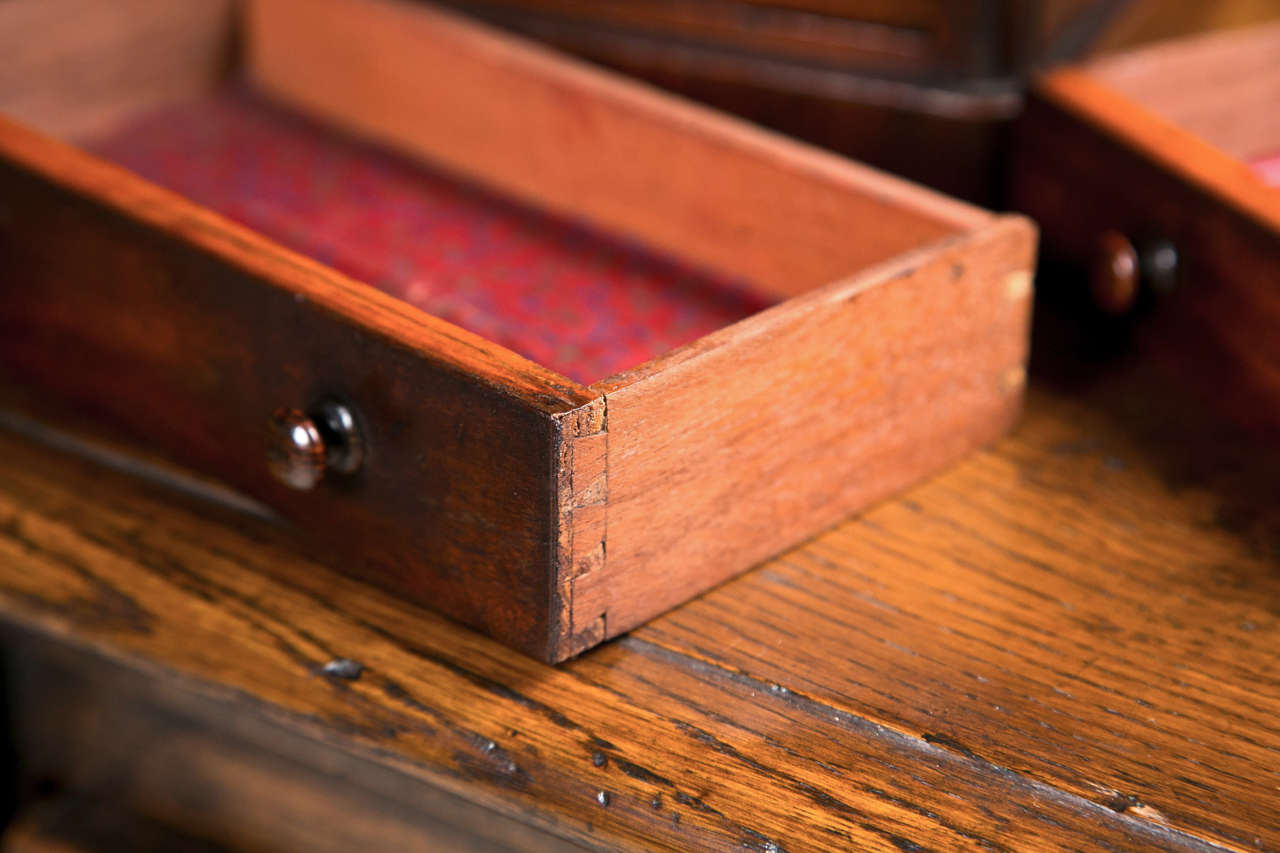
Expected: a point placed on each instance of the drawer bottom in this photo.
(558, 292)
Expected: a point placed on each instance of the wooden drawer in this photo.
(547, 511)
(1151, 168)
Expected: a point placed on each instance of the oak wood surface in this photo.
(73, 825)
(1068, 641)
(738, 445)
(116, 758)
(588, 144)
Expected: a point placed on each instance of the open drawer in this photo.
(1159, 170)
(613, 348)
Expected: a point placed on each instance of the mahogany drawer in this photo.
(547, 511)
(1154, 170)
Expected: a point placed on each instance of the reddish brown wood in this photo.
(76, 67)
(187, 332)
(496, 491)
(905, 40)
(733, 448)
(1090, 159)
(1222, 88)
(1066, 642)
(569, 138)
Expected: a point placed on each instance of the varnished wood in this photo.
(903, 38)
(1222, 88)
(76, 67)
(182, 770)
(803, 414)
(1090, 159)
(1068, 641)
(1172, 148)
(179, 329)
(581, 142)
(75, 825)
(487, 491)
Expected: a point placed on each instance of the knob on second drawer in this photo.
(303, 445)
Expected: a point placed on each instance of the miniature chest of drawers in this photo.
(523, 341)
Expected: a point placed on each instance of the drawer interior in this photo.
(616, 247)
(558, 292)
(1224, 88)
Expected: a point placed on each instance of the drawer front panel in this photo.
(1218, 326)
(191, 350)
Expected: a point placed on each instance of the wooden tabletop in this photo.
(1071, 640)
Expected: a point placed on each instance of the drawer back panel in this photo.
(77, 67)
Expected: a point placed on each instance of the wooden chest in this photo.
(1157, 170)
(785, 336)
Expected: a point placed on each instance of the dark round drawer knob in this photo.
(1121, 271)
(1113, 280)
(302, 446)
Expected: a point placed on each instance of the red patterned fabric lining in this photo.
(553, 291)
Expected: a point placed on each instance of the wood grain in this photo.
(132, 757)
(733, 448)
(883, 83)
(1065, 642)
(74, 68)
(584, 143)
(486, 494)
(896, 39)
(145, 313)
(1094, 605)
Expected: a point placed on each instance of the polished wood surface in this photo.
(1221, 87)
(571, 139)
(487, 488)
(1068, 641)
(1091, 159)
(733, 448)
(913, 39)
(129, 307)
